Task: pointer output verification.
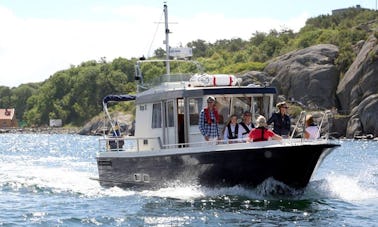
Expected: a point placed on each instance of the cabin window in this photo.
(180, 106)
(223, 107)
(170, 115)
(143, 107)
(156, 115)
(240, 105)
(258, 106)
(195, 106)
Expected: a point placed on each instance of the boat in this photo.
(168, 148)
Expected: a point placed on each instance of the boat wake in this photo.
(342, 187)
(38, 180)
(37, 177)
(270, 188)
(333, 186)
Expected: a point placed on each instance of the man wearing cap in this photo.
(245, 126)
(208, 121)
(281, 120)
(261, 133)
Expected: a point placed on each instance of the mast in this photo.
(166, 38)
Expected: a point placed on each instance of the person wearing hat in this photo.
(245, 126)
(261, 133)
(208, 121)
(311, 130)
(281, 120)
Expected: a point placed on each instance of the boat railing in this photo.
(136, 144)
(323, 126)
(130, 144)
(169, 77)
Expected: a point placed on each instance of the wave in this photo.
(343, 187)
(55, 167)
(71, 179)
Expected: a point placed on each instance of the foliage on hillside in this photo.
(75, 94)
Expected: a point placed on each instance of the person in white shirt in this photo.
(311, 130)
(231, 129)
(245, 126)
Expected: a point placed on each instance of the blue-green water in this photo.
(45, 180)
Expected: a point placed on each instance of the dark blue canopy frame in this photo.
(115, 98)
(118, 98)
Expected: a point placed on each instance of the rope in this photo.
(153, 39)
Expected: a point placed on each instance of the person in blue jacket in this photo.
(281, 120)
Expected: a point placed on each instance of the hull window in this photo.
(146, 178)
(137, 177)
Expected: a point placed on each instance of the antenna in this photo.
(168, 68)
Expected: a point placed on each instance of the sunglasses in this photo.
(285, 107)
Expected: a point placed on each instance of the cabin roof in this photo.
(153, 95)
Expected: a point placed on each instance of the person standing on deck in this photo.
(208, 121)
(281, 120)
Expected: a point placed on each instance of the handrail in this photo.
(325, 114)
(303, 115)
(110, 140)
(136, 146)
(296, 125)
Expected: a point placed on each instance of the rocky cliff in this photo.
(357, 92)
(310, 76)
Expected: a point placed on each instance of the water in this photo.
(45, 180)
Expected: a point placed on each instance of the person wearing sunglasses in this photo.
(281, 120)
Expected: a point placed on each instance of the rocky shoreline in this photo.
(41, 130)
(57, 130)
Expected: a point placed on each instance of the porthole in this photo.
(146, 178)
(137, 177)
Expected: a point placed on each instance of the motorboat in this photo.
(168, 149)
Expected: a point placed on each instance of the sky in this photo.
(40, 37)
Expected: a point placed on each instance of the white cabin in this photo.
(170, 111)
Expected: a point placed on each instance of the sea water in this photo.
(47, 180)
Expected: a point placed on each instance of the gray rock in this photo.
(255, 77)
(357, 92)
(364, 118)
(308, 75)
(339, 126)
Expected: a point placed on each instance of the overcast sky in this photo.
(41, 37)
